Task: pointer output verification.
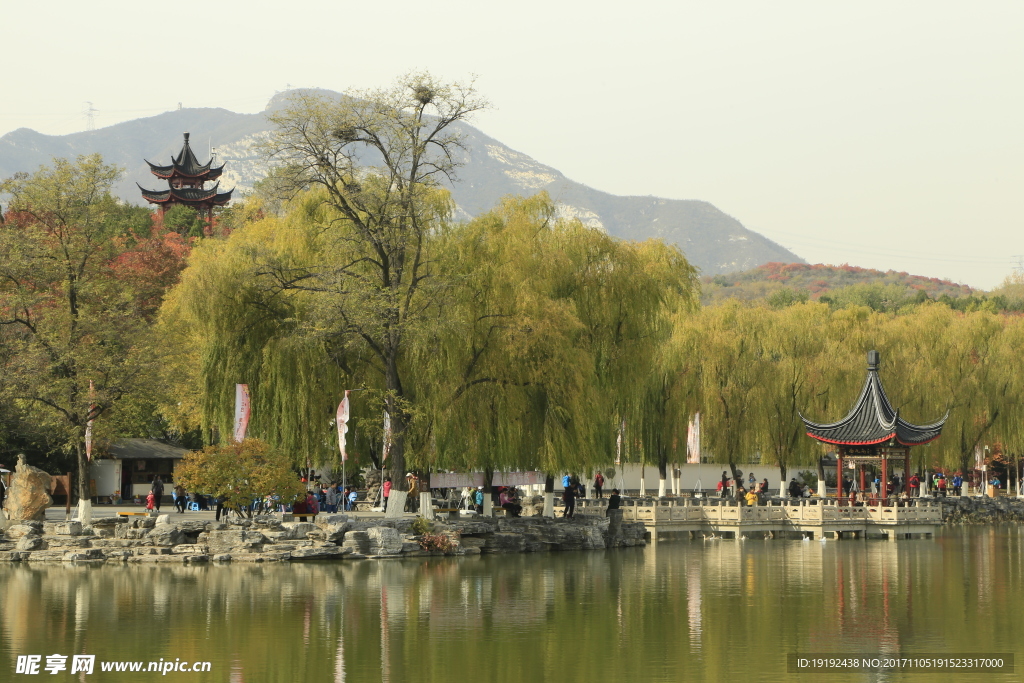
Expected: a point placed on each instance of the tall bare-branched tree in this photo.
(379, 159)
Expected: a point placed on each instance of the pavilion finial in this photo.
(873, 360)
(186, 137)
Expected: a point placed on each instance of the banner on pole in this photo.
(618, 444)
(693, 440)
(241, 411)
(387, 436)
(343, 425)
(88, 425)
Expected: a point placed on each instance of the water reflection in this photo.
(679, 611)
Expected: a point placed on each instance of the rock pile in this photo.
(269, 539)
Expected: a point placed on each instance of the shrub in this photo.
(443, 542)
(421, 526)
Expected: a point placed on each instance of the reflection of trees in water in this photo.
(635, 614)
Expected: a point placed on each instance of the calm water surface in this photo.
(701, 611)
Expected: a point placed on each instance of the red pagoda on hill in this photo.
(873, 433)
(185, 179)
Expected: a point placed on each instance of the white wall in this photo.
(708, 474)
(107, 475)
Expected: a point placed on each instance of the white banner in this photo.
(88, 440)
(241, 411)
(387, 436)
(343, 425)
(693, 440)
(88, 425)
(618, 444)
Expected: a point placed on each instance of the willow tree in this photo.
(729, 345)
(954, 361)
(378, 158)
(543, 345)
(223, 325)
(796, 381)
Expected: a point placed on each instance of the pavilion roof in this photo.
(873, 420)
(192, 196)
(186, 165)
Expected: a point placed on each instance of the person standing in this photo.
(312, 506)
(158, 491)
(412, 502)
(912, 485)
(331, 497)
(598, 484)
(387, 492)
(958, 483)
(614, 501)
(723, 486)
(149, 500)
(569, 498)
(180, 498)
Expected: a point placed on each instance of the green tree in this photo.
(185, 221)
(71, 322)
(240, 472)
(378, 159)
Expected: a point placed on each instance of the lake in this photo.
(680, 611)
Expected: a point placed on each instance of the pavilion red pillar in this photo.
(839, 474)
(861, 468)
(885, 477)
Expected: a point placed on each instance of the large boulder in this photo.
(29, 493)
(384, 541)
(234, 542)
(165, 535)
(334, 527)
(19, 530)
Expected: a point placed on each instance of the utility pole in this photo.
(90, 117)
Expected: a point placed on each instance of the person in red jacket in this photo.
(913, 484)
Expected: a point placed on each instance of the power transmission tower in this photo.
(90, 117)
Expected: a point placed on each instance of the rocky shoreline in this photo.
(977, 510)
(333, 537)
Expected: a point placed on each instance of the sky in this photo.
(886, 135)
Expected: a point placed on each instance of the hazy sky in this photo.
(882, 134)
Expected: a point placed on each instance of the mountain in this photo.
(803, 281)
(712, 240)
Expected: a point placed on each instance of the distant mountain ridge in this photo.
(713, 241)
(818, 280)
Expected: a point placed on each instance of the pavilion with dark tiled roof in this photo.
(186, 179)
(873, 432)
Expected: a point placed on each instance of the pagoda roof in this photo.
(186, 165)
(873, 420)
(192, 196)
